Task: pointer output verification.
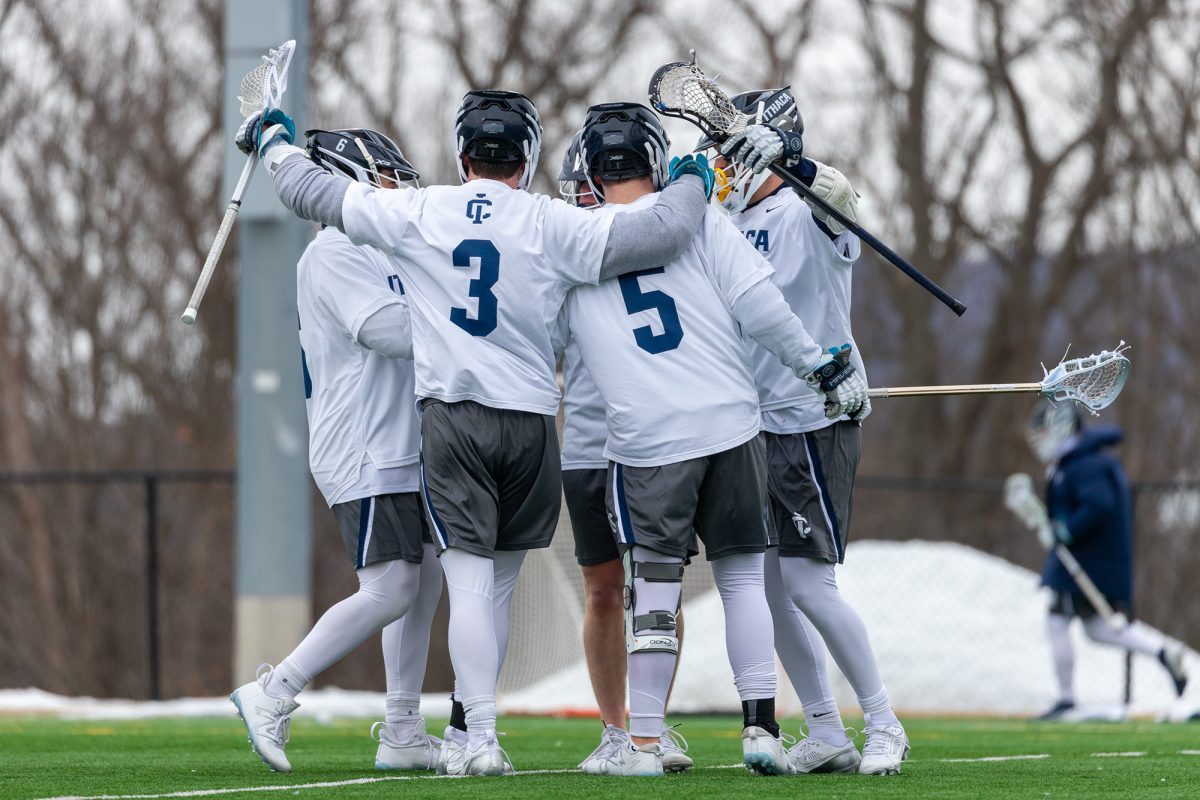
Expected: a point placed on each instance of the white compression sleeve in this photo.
(406, 645)
(766, 316)
(388, 331)
(804, 657)
(749, 638)
(1134, 636)
(1062, 652)
(813, 587)
(470, 581)
(386, 590)
(506, 566)
(650, 672)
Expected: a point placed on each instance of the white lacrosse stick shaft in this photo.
(1020, 499)
(214, 252)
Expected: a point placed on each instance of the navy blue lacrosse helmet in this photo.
(621, 141)
(362, 154)
(498, 126)
(572, 177)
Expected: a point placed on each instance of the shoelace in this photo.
(675, 738)
(880, 742)
(278, 728)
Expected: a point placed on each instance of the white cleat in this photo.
(885, 750)
(453, 740)
(267, 718)
(610, 741)
(421, 751)
(629, 760)
(764, 753)
(674, 750)
(489, 759)
(816, 755)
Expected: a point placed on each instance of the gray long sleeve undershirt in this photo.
(637, 240)
(766, 316)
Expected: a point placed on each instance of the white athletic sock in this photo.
(1134, 636)
(877, 710)
(749, 637)
(406, 650)
(650, 673)
(470, 580)
(813, 587)
(385, 592)
(804, 658)
(1058, 630)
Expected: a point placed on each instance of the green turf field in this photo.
(209, 757)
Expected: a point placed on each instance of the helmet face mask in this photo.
(498, 127)
(364, 155)
(764, 106)
(572, 178)
(620, 141)
(1049, 429)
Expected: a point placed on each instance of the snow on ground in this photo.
(955, 631)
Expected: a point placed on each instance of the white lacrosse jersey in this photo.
(665, 351)
(584, 428)
(487, 269)
(813, 272)
(363, 432)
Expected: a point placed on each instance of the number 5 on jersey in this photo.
(468, 252)
(637, 300)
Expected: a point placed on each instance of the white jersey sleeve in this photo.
(379, 217)
(814, 274)
(575, 239)
(364, 438)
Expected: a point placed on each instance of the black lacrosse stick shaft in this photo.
(792, 177)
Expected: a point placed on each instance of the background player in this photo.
(486, 266)
(664, 346)
(356, 347)
(812, 455)
(584, 468)
(1087, 501)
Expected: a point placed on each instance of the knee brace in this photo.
(658, 626)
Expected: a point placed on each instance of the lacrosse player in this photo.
(1087, 501)
(356, 347)
(584, 469)
(486, 266)
(665, 349)
(812, 451)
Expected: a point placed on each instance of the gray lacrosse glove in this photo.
(844, 388)
(834, 188)
(759, 146)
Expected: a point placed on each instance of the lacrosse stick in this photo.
(1020, 499)
(1093, 382)
(262, 88)
(681, 89)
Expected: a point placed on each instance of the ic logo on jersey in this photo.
(802, 526)
(758, 239)
(475, 209)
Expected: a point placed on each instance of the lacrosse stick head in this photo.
(681, 89)
(1092, 382)
(263, 86)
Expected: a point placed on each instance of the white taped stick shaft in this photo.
(968, 388)
(214, 252)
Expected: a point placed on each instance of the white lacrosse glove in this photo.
(759, 146)
(844, 388)
(1020, 499)
(834, 188)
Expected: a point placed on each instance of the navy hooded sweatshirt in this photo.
(1089, 492)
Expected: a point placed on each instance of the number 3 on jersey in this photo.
(469, 250)
(636, 300)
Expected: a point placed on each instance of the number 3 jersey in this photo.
(363, 434)
(665, 351)
(487, 269)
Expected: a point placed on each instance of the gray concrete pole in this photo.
(273, 550)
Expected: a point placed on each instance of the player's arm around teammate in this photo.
(363, 450)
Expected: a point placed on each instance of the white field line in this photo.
(1126, 754)
(1028, 757)
(1189, 752)
(322, 785)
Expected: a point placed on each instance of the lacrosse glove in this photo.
(834, 188)
(693, 165)
(759, 146)
(1062, 534)
(260, 132)
(844, 388)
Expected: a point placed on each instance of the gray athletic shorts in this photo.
(810, 478)
(490, 477)
(722, 497)
(595, 541)
(389, 527)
